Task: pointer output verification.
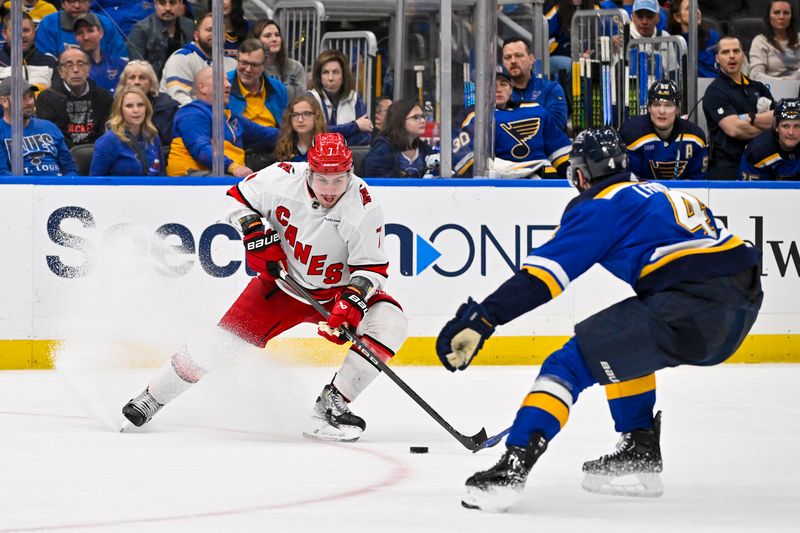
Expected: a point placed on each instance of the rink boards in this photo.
(141, 265)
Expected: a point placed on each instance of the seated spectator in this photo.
(44, 150)
(256, 96)
(75, 103)
(398, 151)
(775, 54)
(661, 145)
(131, 146)
(161, 34)
(55, 32)
(236, 27)
(707, 38)
(124, 13)
(182, 66)
(334, 88)
(627, 5)
(140, 74)
(381, 108)
(106, 69)
(525, 135)
(290, 71)
(191, 148)
(35, 9)
(518, 61)
(737, 109)
(38, 67)
(645, 18)
(302, 121)
(775, 154)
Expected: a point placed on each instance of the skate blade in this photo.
(321, 430)
(642, 485)
(495, 500)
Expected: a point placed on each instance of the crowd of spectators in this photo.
(132, 78)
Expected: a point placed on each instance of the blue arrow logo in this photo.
(426, 254)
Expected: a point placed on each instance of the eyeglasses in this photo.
(303, 114)
(75, 1)
(248, 64)
(416, 117)
(69, 65)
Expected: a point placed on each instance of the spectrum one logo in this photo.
(418, 253)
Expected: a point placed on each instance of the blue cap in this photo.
(645, 5)
(500, 70)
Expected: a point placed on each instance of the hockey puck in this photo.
(418, 449)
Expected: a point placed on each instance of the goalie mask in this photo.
(597, 153)
(329, 164)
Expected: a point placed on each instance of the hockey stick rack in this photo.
(367, 350)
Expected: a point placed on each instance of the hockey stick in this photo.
(367, 350)
(494, 440)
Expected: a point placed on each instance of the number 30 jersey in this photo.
(642, 232)
(324, 247)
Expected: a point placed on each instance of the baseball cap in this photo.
(646, 5)
(88, 18)
(5, 87)
(500, 70)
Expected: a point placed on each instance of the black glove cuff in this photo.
(354, 298)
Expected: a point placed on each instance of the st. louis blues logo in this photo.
(667, 170)
(522, 131)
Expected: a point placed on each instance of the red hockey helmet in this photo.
(329, 154)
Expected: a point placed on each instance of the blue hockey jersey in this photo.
(764, 159)
(683, 156)
(643, 233)
(524, 131)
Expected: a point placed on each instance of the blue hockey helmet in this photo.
(786, 109)
(597, 153)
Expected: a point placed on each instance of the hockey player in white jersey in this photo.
(320, 223)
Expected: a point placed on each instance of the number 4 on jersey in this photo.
(691, 213)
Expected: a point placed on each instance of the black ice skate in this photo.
(332, 420)
(141, 409)
(498, 488)
(632, 470)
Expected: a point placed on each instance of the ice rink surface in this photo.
(228, 455)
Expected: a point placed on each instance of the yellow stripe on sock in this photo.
(631, 387)
(549, 404)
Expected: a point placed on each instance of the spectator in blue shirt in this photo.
(707, 38)
(398, 151)
(131, 146)
(518, 61)
(44, 149)
(55, 32)
(106, 69)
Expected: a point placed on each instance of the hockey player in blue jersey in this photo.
(524, 133)
(697, 295)
(775, 155)
(661, 145)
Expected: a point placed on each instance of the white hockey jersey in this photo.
(324, 247)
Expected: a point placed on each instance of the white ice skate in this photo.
(331, 419)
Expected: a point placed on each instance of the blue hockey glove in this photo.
(462, 337)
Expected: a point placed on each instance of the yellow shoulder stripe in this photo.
(768, 160)
(611, 190)
(641, 141)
